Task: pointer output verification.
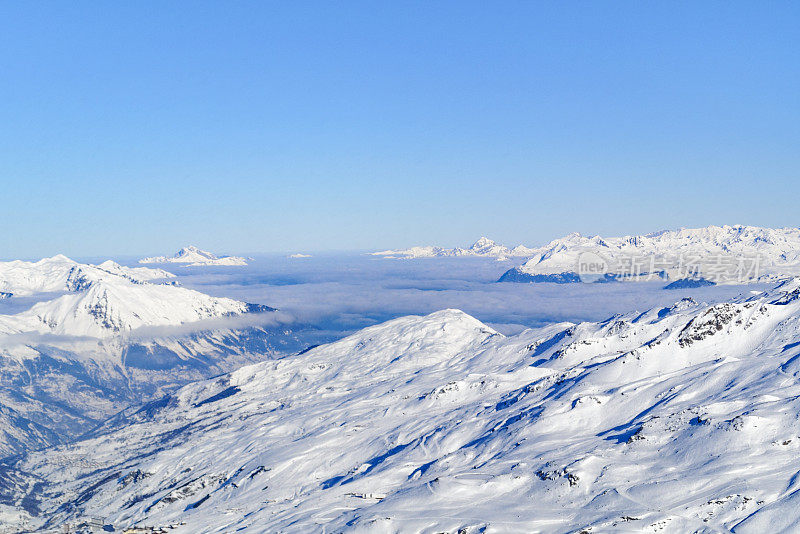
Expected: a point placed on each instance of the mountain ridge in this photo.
(193, 256)
(728, 254)
(440, 423)
(107, 336)
(482, 247)
(59, 273)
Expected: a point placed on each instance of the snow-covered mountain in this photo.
(724, 254)
(482, 247)
(59, 273)
(110, 336)
(108, 307)
(678, 419)
(193, 256)
(103, 300)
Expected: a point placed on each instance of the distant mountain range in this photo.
(193, 256)
(106, 336)
(676, 419)
(724, 254)
(59, 273)
(716, 254)
(130, 399)
(482, 247)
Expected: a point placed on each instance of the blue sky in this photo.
(137, 127)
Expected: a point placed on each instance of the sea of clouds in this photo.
(340, 293)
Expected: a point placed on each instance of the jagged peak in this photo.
(483, 241)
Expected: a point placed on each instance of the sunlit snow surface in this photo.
(194, 256)
(679, 419)
(80, 341)
(675, 254)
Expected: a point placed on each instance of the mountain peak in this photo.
(482, 247)
(191, 248)
(60, 258)
(194, 256)
(746, 253)
(104, 304)
(411, 412)
(482, 241)
(193, 252)
(59, 273)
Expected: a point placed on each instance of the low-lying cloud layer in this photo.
(344, 293)
(330, 296)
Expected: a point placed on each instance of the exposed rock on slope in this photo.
(680, 419)
(111, 338)
(59, 273)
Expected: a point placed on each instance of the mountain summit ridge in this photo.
(774, 242)
(762, 254)
(194, 256)
(439, 423)
(104, 336)
(483, 246)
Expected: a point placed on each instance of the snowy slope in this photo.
(729, 253)
(108, 307)
(482, 247)
(60, 273)
(113, 339)
(193, 256)
(681, 419)
(104, 300)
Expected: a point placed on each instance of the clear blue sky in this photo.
(137, 127)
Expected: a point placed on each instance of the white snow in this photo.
(482, 247)
(679, 419)
(108, 308)
(193, 256)
(675, 253)
(104, 300)
(60, 273)
(109, 336)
